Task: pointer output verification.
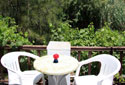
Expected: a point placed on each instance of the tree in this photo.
(82, 12)
(33, 16)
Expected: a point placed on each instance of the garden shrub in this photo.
(104, 36)
(9, 34)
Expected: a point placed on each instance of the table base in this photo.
(56, 80)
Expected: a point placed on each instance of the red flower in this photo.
(56, 56)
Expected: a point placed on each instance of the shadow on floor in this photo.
(3, 84)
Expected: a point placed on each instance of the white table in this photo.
(65, 65)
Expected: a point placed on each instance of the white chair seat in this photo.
(86, 80)
(31, 72)
(31, 75)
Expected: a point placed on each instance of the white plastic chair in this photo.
(62, 48)
(15, 75)
(109, 67)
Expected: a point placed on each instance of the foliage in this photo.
(119, 78)
(118, 13)
(9, 35)
(88, 36)
(107, 37)
(113, 12)
(82, 12)
(34, 16)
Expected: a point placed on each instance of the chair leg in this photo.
(43, 80)
(73, 83)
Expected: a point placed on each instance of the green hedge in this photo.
(104, 36)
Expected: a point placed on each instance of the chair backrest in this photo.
(62, 48)
(11, 63)
(59, 47)
(109, 67)
(109, 64)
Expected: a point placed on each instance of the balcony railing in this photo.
(78, 49)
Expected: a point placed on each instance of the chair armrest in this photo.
(93, 59)
(29, 55)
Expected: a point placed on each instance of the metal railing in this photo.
(78, 49)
